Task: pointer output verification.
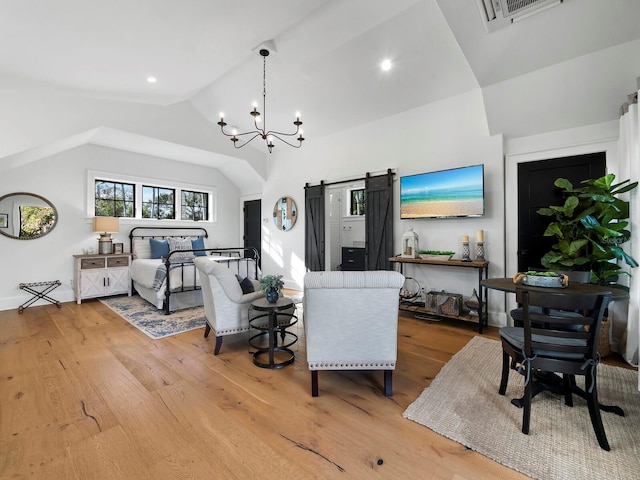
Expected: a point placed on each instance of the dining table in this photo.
(550, 381)
(507, 285)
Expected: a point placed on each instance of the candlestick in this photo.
(465, 238)
(480, 251)
(480, 236)
(466, 253)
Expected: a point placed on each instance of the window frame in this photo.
(139, 182)
(156, 206)
(205, 204)
(115, 200)
(352, 191)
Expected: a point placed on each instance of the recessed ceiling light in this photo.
(152, 79)
(386, 65)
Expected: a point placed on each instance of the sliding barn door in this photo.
(314, 228)
(379, 221)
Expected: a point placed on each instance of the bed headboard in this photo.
(165, 232)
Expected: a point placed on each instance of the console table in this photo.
(482, 269)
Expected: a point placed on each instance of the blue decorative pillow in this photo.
(196, 244)
(159, 248)
(246, 284)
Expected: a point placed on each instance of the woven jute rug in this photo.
(463, 404)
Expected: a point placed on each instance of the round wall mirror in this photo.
(285, 213)
(26, 216)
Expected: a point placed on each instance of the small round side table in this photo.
(272, 311)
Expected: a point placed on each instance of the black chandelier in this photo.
(267, 135)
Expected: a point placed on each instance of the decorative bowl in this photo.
(540, 281)
(426, 256)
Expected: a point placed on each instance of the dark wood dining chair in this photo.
(551, 342)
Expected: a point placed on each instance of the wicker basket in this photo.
(443, 303)
(604, 346)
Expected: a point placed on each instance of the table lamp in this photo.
(105, 225)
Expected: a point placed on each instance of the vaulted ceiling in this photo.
(535, 74)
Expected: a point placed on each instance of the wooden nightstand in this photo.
(101, 275)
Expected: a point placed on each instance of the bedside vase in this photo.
(272, 295)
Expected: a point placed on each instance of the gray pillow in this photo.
(178, 244)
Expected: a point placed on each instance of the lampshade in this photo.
(106, 224)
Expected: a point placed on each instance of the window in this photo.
(114, 199)
(158, 202)
(358, 202)
(194, 205)
(126, 196)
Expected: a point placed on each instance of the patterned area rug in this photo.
(153, 322)
(463, 404)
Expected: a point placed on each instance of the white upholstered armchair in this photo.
(351, 322)
(225, 306)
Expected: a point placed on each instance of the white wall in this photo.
(450, 133)
(37, 117)
(62, 180)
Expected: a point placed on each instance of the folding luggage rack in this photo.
(39, 291)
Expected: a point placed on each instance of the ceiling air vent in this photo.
(500, 13)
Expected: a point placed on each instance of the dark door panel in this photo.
(536, 189)
(379, 221)
(252, 229)
(314, 228)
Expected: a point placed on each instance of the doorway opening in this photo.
(252, 229)
(345, 226)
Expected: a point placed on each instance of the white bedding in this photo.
(143, 271)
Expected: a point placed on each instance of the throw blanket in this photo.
(161, 274)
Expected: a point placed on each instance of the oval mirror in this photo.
(285, 213)
(26, 216)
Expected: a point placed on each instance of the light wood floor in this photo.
(83, 395)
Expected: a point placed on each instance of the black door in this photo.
(379, 221)
(536, 190)
(252, 230)
(314, 228)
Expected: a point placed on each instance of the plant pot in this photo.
(272, 295)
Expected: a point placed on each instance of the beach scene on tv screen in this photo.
(447, 193)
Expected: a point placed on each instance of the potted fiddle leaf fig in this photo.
(590, 228)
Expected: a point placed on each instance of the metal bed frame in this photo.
(235, 254)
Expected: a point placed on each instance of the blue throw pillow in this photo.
(198, 243)
(159, 248)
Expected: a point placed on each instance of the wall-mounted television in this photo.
(456, 192)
